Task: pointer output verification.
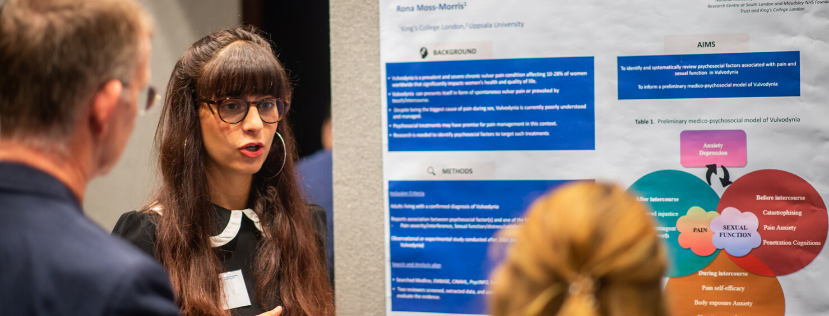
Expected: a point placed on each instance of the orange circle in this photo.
(733, 291)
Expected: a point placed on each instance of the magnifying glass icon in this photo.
(431, 170)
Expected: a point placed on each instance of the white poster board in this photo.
(713, 112)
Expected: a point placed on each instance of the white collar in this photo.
(232, 228)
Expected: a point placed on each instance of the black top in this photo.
(55, 261)
(238, 254)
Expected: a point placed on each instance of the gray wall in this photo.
(358, 153)
(178, 24)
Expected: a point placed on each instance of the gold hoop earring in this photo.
(284, 156)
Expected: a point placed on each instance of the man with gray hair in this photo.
(71, 72)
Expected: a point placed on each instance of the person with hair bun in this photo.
(228, 203)
(585, 249)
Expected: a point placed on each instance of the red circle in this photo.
(776, 197)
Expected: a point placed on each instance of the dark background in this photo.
(299, 31)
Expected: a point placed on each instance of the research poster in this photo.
(714, 113)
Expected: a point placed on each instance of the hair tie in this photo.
(584, 285)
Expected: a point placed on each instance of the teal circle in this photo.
(691, 191)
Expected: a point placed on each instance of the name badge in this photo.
(234, 292)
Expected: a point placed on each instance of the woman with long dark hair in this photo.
(228, 203)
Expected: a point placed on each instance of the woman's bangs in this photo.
(243, 69)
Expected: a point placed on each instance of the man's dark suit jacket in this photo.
(55, 261)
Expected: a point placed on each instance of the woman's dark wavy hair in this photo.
(289, 261)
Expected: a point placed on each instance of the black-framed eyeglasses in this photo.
(151, 96)
(234, 110)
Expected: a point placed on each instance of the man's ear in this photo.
(103, 105)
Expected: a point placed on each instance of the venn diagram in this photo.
(726, 252)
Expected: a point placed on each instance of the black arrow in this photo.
(724, 180)
(712, 169)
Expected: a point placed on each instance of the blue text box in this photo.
(737, 75)
(421, 214)
(506, 104)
